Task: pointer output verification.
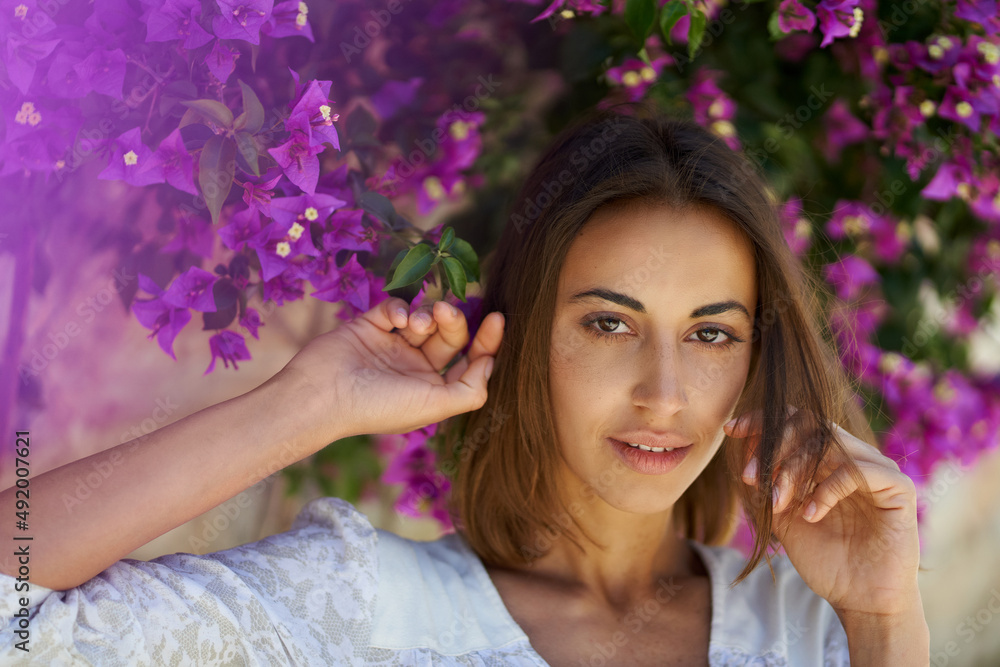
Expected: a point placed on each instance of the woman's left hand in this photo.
(859, 571)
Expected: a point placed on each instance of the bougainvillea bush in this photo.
(344, 150)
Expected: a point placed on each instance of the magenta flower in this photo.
(192, 289)
(977, 11)
(849, 276)
(221, 61)
(277, 245)
(635, 76)
(297, 158)
(282, 288)
(947, 181)
(132, 161)
(251, 321)
(313, 117)
(712, 107)
(592, 7)
(959, 106)
(792, 15)
(21, 58)
(175, 162)
(838, 18)
(164, 320)
(257, 195)
(796, 227)
(425, 489)
(842, 129)
(289, 19)
(228, 346)
(241, 19)
(348, 283)
(349, 233)
(176, 20)
(242, 228)
(986, 205)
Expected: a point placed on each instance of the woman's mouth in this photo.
(648, 460)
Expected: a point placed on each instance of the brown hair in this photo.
(503, 498)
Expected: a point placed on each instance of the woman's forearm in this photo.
(158, 482)
(903, 639)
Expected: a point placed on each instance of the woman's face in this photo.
(651, 342)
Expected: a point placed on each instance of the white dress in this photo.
(336, 591)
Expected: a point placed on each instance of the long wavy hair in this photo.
(505, 456)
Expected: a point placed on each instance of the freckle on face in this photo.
(661, 375)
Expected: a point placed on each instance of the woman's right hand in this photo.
(380, 373)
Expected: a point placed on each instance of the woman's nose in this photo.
(660, 386)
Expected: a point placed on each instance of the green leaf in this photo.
(774, 28)
(216, 169)
(413, 267)
(639, 14)
(696, 32)
(379, 206)
(396, 260)
(217, 112)
(463, 252)
(644, 57)
(252, 118)
(447, 238)
(455, 272)
(672, 13)
(247, 156)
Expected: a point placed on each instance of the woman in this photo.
(657, 365)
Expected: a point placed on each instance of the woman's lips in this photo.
(648, 462)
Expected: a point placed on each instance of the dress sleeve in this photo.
(304, 597)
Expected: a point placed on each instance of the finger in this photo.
(419, 326)
(451, 336)
(750, 423)
(486, 342)
(752, 468)
(388, 314)
(890, 489)
(466, 394)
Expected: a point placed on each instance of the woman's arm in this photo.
(158, 482)
(359, 378)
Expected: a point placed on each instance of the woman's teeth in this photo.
(650, 449)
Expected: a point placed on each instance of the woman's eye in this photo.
(709, 335)
(610, 325)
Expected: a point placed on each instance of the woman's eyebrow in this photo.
(633, 304)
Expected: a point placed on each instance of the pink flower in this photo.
(228, 346)
(792, 15)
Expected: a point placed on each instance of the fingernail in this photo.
(732, 422)
(454, 310)
(423, 318)
(810, 511)
(489, 369)
(776, 495)
(402, 311)
(750, 472)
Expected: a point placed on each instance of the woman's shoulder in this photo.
(778, 618)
